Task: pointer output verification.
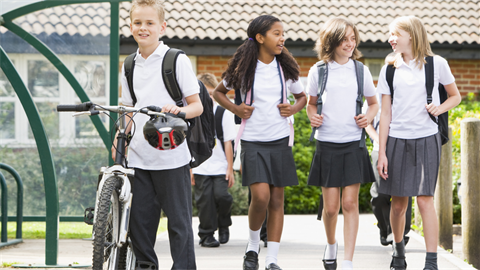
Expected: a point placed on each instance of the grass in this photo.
(67, 230)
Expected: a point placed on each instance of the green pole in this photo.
(17, 178)
(46, 159)
(3, 184)
(114, 54)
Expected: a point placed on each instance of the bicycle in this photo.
(112, 248)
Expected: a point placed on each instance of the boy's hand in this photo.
(170, 108)
(432, 109)
(316, 120)
(230, 177)
(285, 109)
(361, 120)
(244, 111)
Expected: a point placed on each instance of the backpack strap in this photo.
(129, 66)
(218, 125)
(169, 75)
(322, 68)
(359, 71)
(389, 77)
(429, 83)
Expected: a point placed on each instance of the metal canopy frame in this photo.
(41, 139)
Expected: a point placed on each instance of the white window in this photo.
(375, 65)
(48, 88)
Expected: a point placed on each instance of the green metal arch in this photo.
(48, 168)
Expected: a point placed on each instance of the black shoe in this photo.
(330, 264)
(398, 263)
(250, 260)
(273, 266)
(209, 241)
(384, 240)
(223, 235)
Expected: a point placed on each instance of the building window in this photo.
(375, 65)
(48, 89)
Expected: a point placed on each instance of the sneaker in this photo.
(209, 241)
(223, 235)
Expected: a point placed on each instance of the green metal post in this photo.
(3, 184)
(114, 53)
(17, 178)
(46, 159)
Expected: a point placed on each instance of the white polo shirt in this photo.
(217, 164)
(150, 90)
(410, 119)
(266, 124)
(339, 101)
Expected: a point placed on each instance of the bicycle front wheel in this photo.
(106, 253)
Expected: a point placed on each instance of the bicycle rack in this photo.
(3, 183)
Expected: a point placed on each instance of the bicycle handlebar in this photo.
(93, 109)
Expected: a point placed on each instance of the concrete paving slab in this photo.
(302, 246)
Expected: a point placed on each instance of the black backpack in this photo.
(442, 121)
(201, 135)
(219, 128)
(322, 82)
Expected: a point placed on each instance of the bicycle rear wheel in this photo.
(106, 253)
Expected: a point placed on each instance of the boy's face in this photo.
(146, 27)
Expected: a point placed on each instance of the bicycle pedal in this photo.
(88, 215)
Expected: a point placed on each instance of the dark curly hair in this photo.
(241, 67)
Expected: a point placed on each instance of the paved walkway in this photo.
(303, 243)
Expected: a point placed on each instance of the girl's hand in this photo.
(244, 111)
(432, 109)
(361, 120)
(382, 166)
(170, 108)
(285, 109)
(316, 120)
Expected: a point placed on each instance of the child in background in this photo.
(340, 165)
(409, 152)
(213, 178)
(263, 70)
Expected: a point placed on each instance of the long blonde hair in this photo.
(420, 44)
(331, 36)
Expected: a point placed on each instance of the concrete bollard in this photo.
(443, 196)
(470, 156)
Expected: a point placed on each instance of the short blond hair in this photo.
(208, 79)
(331, 36)
(156, 4)
(420, 44)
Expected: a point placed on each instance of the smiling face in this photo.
(400, 41)
(345, 50)
(273, 41)
(146, 28)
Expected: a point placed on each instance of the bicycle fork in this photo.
(124, 197)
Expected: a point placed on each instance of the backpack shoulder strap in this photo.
(322, 68)
(129, 66)
(359, 72)
(429, 83)
(169, 75)
(218, 125)
(389, 77)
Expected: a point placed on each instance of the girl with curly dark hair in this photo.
(263, 72)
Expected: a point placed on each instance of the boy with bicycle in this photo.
(162, 178)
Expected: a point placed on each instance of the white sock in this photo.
(347, 265)
(331, 252)
(253, 240)
(272, 252)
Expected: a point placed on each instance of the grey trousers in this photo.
(170, 191)
(214, 203)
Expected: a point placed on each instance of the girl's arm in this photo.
(286, 109)
(385, 119)
(243, 110)
(370, 129)
(453, 100)
(363, 120)
(316, 120)
(193, 109)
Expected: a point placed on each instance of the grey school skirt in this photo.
(268, 162)
(412, 166)
(340, 165)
